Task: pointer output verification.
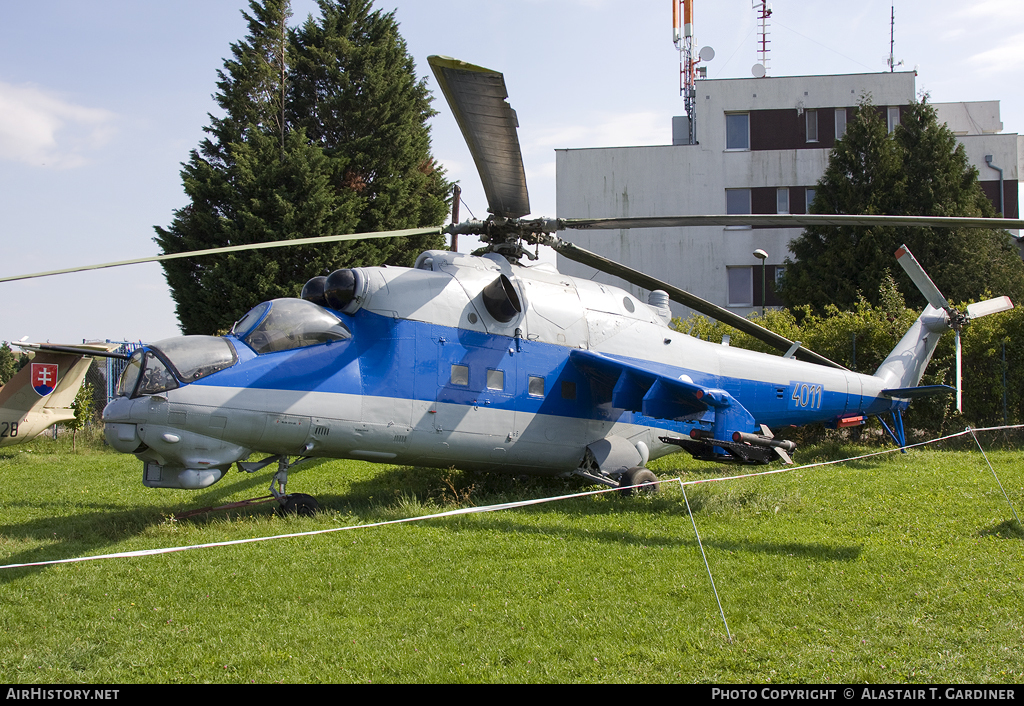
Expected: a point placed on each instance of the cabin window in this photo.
(495, 380)
(460, 375)
(536, 386)
(568, 390)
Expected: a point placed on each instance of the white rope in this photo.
(449, 513)
(706, 564)
(998, 482)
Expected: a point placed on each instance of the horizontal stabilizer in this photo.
(98, 350)
(913, 393)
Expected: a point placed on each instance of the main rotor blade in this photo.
(790, 220)
(477, 98)
(921, 279)
(237, 248)
(581, 255)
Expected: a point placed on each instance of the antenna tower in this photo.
(682, 34)
(764, 11)
(892, 41)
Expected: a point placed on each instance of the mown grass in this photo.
(898, 568)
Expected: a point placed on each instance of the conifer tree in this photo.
(260, 176)
(358, 97)
(919, 169)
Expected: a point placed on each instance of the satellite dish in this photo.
(706, 54)
(758, 71)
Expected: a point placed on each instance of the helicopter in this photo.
(482, 362)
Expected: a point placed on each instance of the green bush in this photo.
(862, 338)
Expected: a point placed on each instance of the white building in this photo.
(762, 145)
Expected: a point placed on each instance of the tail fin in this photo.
(40, 394)
(904, 366)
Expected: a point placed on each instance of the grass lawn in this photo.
(900, 568)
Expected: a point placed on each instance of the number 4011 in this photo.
(806, 395)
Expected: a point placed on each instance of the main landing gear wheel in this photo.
(642, 477)
(299, 504)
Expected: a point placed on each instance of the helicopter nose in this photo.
(118, 429)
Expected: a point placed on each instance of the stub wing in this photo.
(721, 430)
(635, 388)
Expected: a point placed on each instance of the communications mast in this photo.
(682, 35)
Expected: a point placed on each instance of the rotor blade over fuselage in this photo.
(581, 255)
(235, 248)
(477, 98)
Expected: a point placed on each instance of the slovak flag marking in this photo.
(44, 378)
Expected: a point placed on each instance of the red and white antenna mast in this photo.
(764, 11)
(682, 35)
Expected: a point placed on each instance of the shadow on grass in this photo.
(809, 550)
(70, 532)
(1007, 529)
(90, 528)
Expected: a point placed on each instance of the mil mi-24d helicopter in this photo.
(479, 362)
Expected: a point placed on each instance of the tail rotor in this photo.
(957, 319)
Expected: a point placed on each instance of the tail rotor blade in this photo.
(959, 376)
(989, 306)
(921, 279)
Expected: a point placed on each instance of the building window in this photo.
(782, 200)
(741, 286)
(809, 199)
(460, 375)
(840, 122)
(737, 203)
(894, 118)
(811, 116)
(536, 386)
(737, 131)
(495, 380)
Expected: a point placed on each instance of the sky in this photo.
(101, 102)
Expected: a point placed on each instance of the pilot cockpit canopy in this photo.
(167, 364)
(284, 324)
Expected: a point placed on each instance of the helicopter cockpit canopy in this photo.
(167, 364)
(284, 324)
